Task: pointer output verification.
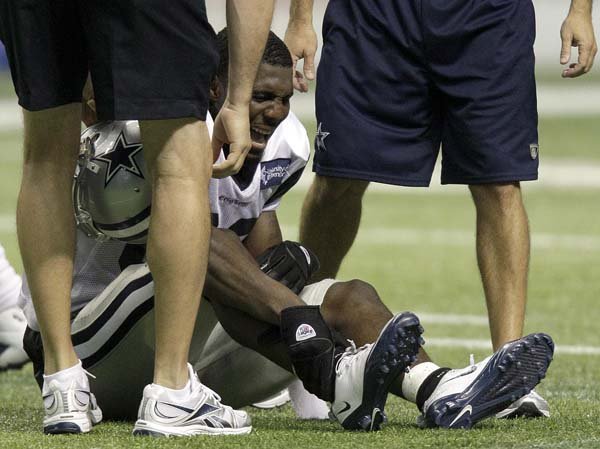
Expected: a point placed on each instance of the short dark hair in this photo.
(276, 53)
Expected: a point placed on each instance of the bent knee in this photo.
(503, 196)
(353, 293)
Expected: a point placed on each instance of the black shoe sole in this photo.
(511, 373)
(393, 352)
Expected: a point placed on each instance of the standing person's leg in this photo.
(332, 207)
(51, 142)
(179, 158)
(48, 66)
(376, 120)
(503, 257)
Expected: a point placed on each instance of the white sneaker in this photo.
(277, 400)
(12, 328)
(200, 414)
(69, 406)
(466, 396)
(529, 406)
(364, 375)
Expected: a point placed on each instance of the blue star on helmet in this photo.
(320, 138)
(121, 157)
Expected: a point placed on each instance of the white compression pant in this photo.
(114, 337)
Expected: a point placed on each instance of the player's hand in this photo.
(232, 127)
(577, 31)
(289, 263)
(301, 39)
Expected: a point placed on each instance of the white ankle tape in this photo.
(414, 379)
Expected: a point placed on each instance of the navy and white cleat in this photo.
(201, 413)
(529, 406)
(364, 375)
(466, 396)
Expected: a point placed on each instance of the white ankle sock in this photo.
(305, 404)
(66, 375)
(414, 379)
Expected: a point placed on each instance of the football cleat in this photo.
(69, 406)
(466, 396)
(529, 406)
(201, 413)
(364, 375)
(12, 328)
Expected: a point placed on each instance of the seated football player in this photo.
(259, 321)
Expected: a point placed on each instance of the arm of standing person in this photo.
(248, 23)
(577, 31)
(301, 39)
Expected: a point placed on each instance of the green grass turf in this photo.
(423, 275)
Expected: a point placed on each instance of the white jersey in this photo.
(233, 206)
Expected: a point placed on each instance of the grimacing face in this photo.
(270, 104)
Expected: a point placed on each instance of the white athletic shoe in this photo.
(529, 406)
(12, 328)
(277, 400)
(364, 375)
(200, 414)
(466, 396)
(69, 406)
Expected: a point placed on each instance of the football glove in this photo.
(289, 263)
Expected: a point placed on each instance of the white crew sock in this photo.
(10, 283)
(305, 404)
(414, 379)
(68, 375)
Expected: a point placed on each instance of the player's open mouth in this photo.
(260, 135)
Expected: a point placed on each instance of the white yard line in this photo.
(460, 238)
(486, 344)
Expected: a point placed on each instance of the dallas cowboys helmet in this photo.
(111, 192)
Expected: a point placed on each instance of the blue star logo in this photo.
(320, 138)
(121, 157)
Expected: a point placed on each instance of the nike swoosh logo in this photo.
(466, 409)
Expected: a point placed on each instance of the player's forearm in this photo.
(248, 23)
(581, 6)
(234, 279)
(301, 12)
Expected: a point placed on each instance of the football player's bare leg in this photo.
(351, 308)
(46, 227)
(503, 257)
(356, 311)
(332, 207)
(179, 157)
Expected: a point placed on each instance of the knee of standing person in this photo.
(500, 196)
(335, 189)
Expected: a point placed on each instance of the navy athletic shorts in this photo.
(397, 78)
(149, 59)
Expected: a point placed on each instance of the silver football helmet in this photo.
(111, 190)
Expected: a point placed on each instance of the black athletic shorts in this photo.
(397, 78)
(149, 59)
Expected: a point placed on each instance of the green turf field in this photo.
(417, 249)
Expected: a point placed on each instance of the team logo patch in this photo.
(273, 172)
(320, 138)
(534, 150)
(304, 332)
(122, 157)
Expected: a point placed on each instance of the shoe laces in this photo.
(456, 373)
(348, 357)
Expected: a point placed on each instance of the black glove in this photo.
(289, 263)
